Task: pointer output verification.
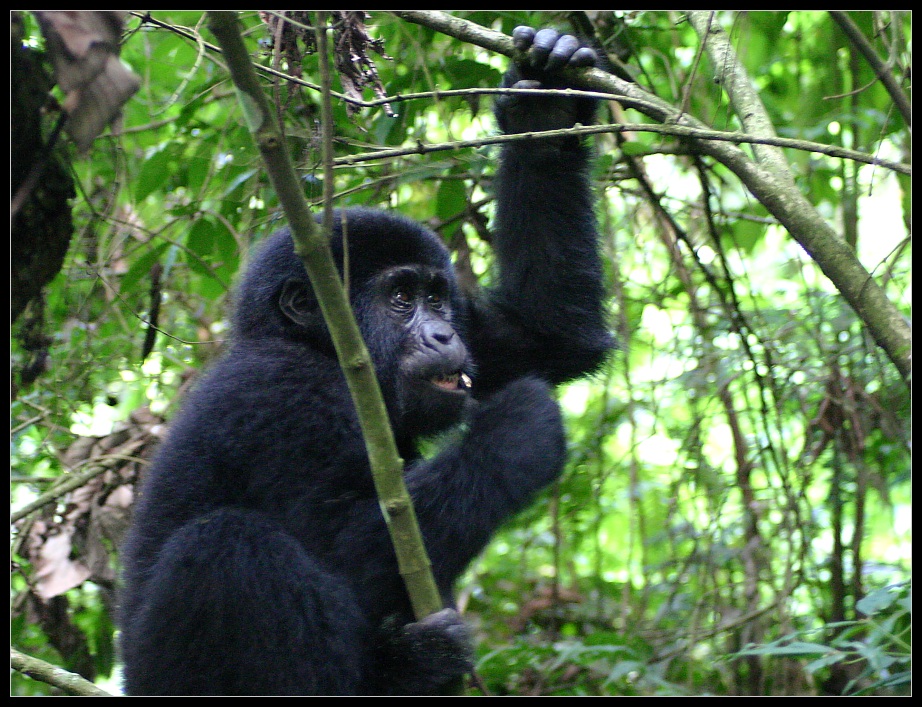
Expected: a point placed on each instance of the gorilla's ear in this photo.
(298, 303)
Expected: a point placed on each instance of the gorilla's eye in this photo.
(402, 297)
(435, 300)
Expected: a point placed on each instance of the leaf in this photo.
(748, 234)
(55, 571)
(84, 47)
(451, 199)
(154, 173)
(201, 239)
(141, 267)
(634, 147)
(877, 601)
(802, 648)
(825, 661)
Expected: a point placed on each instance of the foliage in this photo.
(879, 643)
(736, 514)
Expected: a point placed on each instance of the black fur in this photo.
(259, 561)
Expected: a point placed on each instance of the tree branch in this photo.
(312, 246)
(879, 67)
(37, 669)
(678, 131)
(744, 99)
(835, 258)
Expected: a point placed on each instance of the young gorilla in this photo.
(259, 561)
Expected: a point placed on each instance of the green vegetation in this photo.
(736, 513)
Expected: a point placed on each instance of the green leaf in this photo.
(451, 199)
(878, 601)
(801, 648)
(154, 173)
(141, 267)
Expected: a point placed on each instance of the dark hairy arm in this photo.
(545, 317)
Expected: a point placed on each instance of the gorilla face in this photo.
(432, 360)
(407, 305)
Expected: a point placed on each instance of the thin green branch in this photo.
(326, 123)
(679, 131)
(312, 246)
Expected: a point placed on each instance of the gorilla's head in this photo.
(406, 301)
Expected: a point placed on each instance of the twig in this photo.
(313, 247)
(37, 669)
(679, 131)
(879, 67)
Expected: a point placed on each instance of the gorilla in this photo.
(258, 561)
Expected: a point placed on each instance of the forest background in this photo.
(735, 516)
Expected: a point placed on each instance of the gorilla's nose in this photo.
(437, 335)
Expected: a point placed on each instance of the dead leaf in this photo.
(73, 541)
(84, 47)
(55, 572)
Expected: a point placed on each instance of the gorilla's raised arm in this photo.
(545, 317)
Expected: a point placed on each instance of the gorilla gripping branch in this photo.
(261, 557)
(766, 176)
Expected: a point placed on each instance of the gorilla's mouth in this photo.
(452, 382)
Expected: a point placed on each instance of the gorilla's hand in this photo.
(548, 52)
(429, 654)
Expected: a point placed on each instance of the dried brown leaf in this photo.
(84, 48)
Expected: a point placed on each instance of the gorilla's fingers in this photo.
(526, 83)
(522, 37)
(542, 46)
(584, 57)
(564, 48)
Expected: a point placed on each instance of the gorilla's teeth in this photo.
(453, 381)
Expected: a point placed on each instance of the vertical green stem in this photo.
(312, 246)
